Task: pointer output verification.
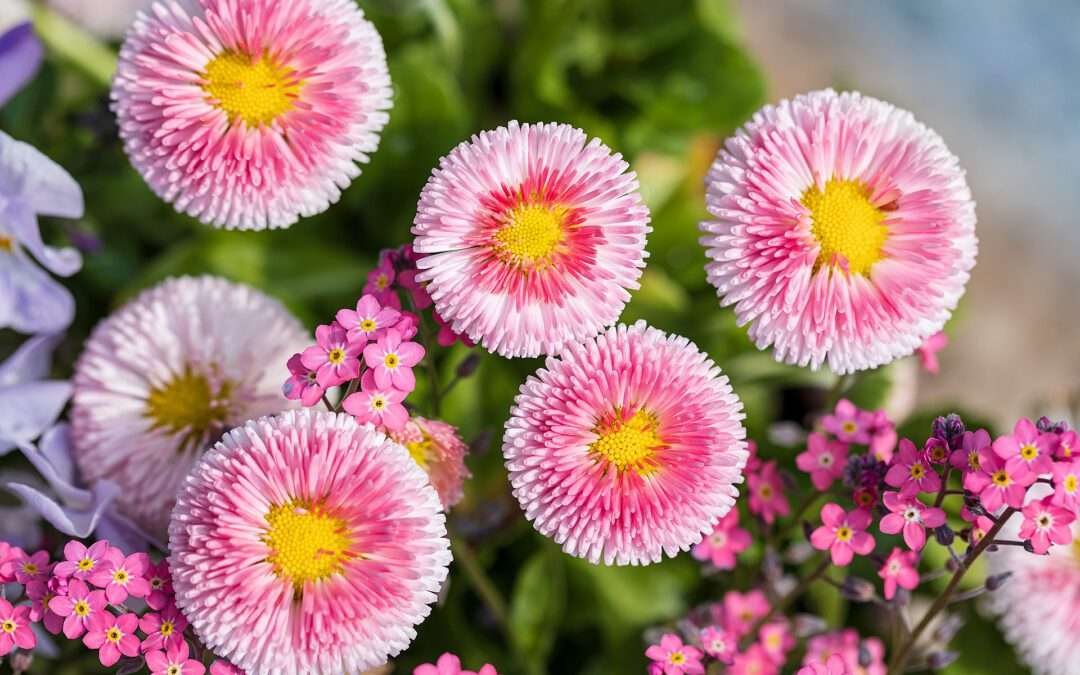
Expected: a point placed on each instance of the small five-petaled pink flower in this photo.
(368, 320)
(911, 472)
(843, 534)
(113, 636)
(672, 657)
(173, 660)
(391, 360)
(899, 570)
(333, 358)
(912, 517)
(378, 405)
(15, 628)
(1045, 525)
(724, 544)
(823, 459)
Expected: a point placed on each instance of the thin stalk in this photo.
(481, 583)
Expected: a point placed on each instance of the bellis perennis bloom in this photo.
(843, 534)
(672, 657)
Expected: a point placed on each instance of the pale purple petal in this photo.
(21, 53)
(29, 177)
(30, 361)
(31, 301)
(28, 410)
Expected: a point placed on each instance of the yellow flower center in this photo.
(391, 361)
(256, 90)
(30, 568)
(1029, 451)
(7, 244)
(845, 224)
(918, 471)
(173, 670)
(8, 626)
(420, 451)
(189, 404)
(1001, 478)
(849, 427)
(166, 628)
(844, 533)
(1066, 450)
(531, 234)
(772, 642)
(629, 444)
(378, 402)
(765, 492)
(1076, 548)
(113, 634)
(368, 326)
(677, 658)
(973, 461)
(157, 583)
(336, 356)
(86, 564)
(81, 608)
(306, 543)
(120, 577)
(1071, 483)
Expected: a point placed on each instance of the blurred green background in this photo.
(661, 82)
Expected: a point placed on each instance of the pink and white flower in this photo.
(912, 517)
(1045, 525)
(843, 534)
(380, 406)
(438, 449)
(391, 360)
(675, 658)
(726, 542)
(333, 358)
(719, 644)
(368, 320)
(900, 570)
(823, 459)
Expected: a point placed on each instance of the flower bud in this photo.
(939, 660)
(21, 661)
(469, 365)
(947, 628)
(857, 589)
(996, 581)
(944, 535)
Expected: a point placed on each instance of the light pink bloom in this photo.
(754, 661)
(447, 336)
(164, 630)
(41, 595)
(997, 484)
(980, 526)
(843, 534)
(742, 610)
(626, 447)
(911, 472)
(929, 349)
(966, 458)
(719, 644)
(79, 561)
(173, 661)
(776, 641)
(450, 664)
(1026, 447)
(113, 637)
(766, 488)
(848, 423)
(327, 544)
(378, 405)
(1045, 525)
(31, 567)
(81, 607)
(8, 555)
(532, 237)
(380, 281)
(121, 577)
(249, 115)
(847, 644)
(725, 543)
(440, 452)
(823, 459)
(15, 628)
(675, 658)
(303, 383)
(408, 326)
(900, 569)
(1067, 484)
(368, 320)
(911, 516)
(1068, 444)
(160, 581)
(223, 667)
(392, 361)
(843, 230)
(834, 666)
(882, 436)
(333, 358)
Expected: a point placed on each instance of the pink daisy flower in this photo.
(1067, 484)
(164, 630)
(392, 360)
(79, 561)
(911, 472)
(719, 644)
(303, 383)
(900, 570)
(113, 637)
(675, 658)
(996, 483)
(754, 661)
(843, 230)
(843, 534)
(912, 517)
(450, 664)
(848, 423)
(15, 629)
(333, 358)
(532, 237)
(121, 577)
(249, 115)
(160, 582)
(626, 447)
(823, 459)
(966, 458)
(1026, 448)
(440, 452)
(726, 542)
(306, 543)
(368, 320)
(378, 405)
(163, 377)
(1045, 525)
(80, 607)
(766, 488)
(174, 660)
(742, 610)
(929, 349)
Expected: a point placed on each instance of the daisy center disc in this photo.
(846, 225)
(420, 450)
(188, 403)
(531, 234)
(629, 444)
(306, 544)
(256, 90)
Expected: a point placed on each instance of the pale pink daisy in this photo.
(726, 542)
(306, 543)
(164, 376)
(450, 664)
(675, 658)
(1046, 525)
(251, 114)
(532, 237)
(368, 320)
(440, 452)
(900, 570)
(334, 358)
(823, 459)
(391, 360)
(843, 230)
(911, 516)
(626, 447)
(15, 628)
(843, 534)
(378, 405)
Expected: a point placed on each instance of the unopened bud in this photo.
(469, 365)
(944, 535)
(1028, 546)
(857, 589)
(948, 626)
(809, 624)
(21, 661)
(807, 529)
(949, 428)
(939, 660)
(865, 657)
(130, 666)
(996, 581)
(481, 443)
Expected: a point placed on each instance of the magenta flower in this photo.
(966, 458)
(8, 555)
(741, 610)
(29, 568)
(1045, 525)
(113, 636)
(303, 383)
(380, 280)
(378, 405)
(173, 661)
(81, 608)
(1026, 447)
(979, 527)
(450, 664)
(843, 534)
(447, 336)
(15, 628)
(1067, 444)
(223, 667)
(333, 357)
(996, 483)
(370, 318)
(929, 349)
(160, 581)
(848, 423)
(911, 472)
(408, 325)
(121, 577)
(40, 595)
(754, 661)
(79, 561)
(776, 641)
(911, 516)
(936, 451)
(724, 544)
(899, 570)
(421, 299)
(833, 666)
(823, 459)
(391, 360)
(767, 498)
(164, 630)
(719, 644)
(882, 436)
(1067, 484)
(675, 658)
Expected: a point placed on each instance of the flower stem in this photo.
(481, 583)
(785, 602)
